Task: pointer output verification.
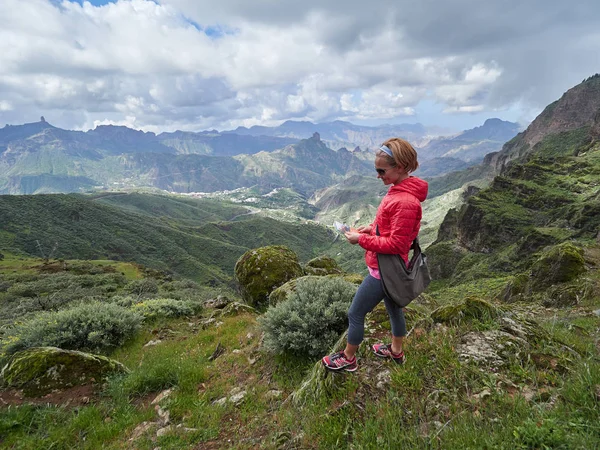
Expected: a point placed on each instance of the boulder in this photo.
(322, 265)
(560, 264)
(264, 269)
(472, 307)
(515, 288)
(40, 370)
(443, 257)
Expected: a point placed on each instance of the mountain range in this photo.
(40, 158)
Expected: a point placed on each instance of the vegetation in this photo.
(502, 350)
(94, 327)
(311, 319)
(81, 227)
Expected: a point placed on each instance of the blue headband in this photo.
(385, 149)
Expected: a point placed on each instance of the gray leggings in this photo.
(369, 294)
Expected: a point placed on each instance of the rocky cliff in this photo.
(547, 193)
(576, 109)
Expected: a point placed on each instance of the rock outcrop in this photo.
(260, 271)
(322, 265)
(40, 370)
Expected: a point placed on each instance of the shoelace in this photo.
(337, 356)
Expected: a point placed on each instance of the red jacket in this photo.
(399, 219)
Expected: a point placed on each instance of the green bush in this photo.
(142, 287)
(95, 327)
(165, 307)
(125, 301)
(311, 319)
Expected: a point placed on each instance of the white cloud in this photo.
(464, 109)
(197, 64)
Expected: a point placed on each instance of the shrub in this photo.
(142, 287)
(311, 319)
(125, 301)
(165, 307)
(95, 327)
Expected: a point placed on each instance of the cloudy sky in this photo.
(196, 64)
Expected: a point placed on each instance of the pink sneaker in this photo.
(338, 361)
(385, 351)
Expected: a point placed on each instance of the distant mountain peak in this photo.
(495, 121)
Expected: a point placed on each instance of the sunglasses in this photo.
(381, 171)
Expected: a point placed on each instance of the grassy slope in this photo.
(435, 401)
(188, 237)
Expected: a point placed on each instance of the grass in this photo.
(436, 400)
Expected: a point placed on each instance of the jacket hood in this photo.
(412, 185)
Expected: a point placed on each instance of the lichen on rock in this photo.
(492, 348)
(40, 370)
(235, 308)
(260, 271)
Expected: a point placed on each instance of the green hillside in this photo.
(549, 198)
(189, 237)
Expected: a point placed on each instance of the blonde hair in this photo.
(404, 154)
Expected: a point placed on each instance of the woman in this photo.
(398, 219)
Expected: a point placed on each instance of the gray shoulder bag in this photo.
(400, 283)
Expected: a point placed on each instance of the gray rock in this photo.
(217, 303)
(164, 430)
(160, 397)
(142, 429)
(273, 394)
(235, 308)
(220, 402)
(237, 396)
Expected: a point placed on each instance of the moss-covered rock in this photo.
(516, 288)
(40, 370)
(353, 278)
(534, 241)
(282, 292)
(264, 269)
(472, 307)
(322, 265)
(570, 294)
(560, 264)
(442, 259)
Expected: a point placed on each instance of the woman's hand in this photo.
(352, 237)
(364, 229)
